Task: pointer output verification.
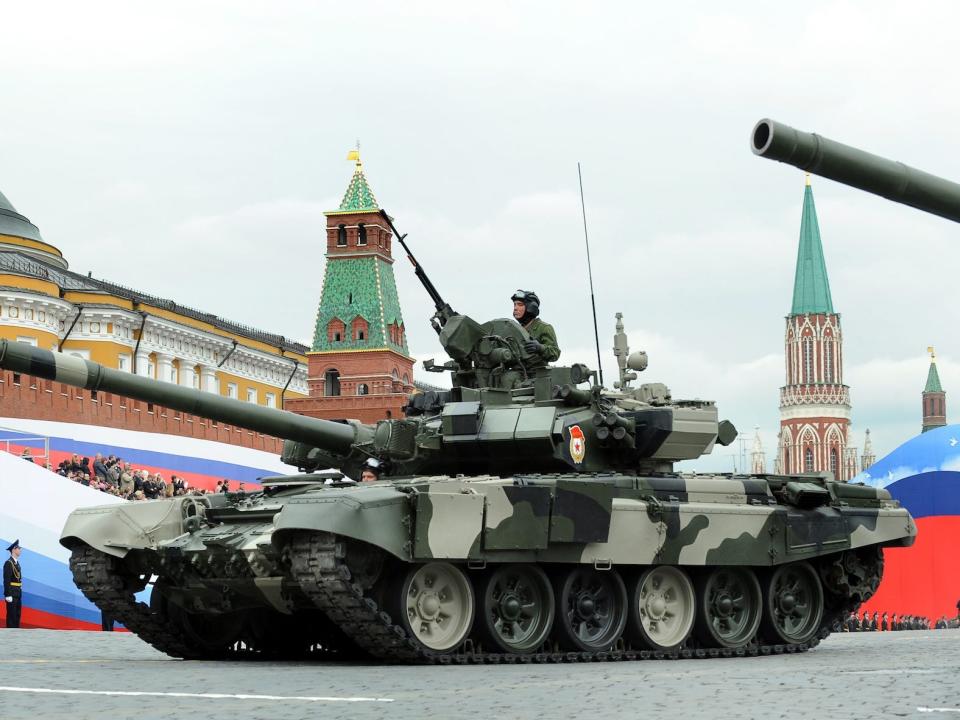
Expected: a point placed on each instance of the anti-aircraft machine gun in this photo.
(527, 513)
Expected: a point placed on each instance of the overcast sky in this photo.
(189, 149)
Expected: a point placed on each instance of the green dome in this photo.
(13, 223)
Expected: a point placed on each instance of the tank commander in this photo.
(13, 585)
(372, 469)
(543, 340)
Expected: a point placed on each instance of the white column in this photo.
(143, 363)
(164, 366)
(186, 373)
(208, 379)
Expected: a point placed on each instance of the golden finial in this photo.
(933, 355)
(808, 179)
(355, 154)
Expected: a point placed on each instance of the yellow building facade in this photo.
(45, 304)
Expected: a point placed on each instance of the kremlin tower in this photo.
(359, 365)
(934, 398)
(814, 402)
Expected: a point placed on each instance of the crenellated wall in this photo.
(24, 396)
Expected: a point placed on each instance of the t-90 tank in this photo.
(526, 514)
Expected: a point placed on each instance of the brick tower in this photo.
(814, 403)
(359, 365)
(934, 398)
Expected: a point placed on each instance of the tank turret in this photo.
(504, 414)
(507, 411)
(850, 166)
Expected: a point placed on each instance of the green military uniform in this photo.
(543, 333)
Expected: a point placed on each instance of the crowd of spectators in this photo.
(115, 477)
(885, 622)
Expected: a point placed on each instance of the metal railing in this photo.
(27, 443)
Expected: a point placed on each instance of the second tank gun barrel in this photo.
(866, 171)
(70, 370)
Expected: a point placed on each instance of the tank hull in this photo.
(431, 569)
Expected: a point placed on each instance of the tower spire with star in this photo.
(934, 398)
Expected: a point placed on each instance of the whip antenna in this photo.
(593, 303)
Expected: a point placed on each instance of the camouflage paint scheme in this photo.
(603, 520)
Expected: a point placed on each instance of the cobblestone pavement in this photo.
(868, 675)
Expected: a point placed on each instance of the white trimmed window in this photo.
(828, 361)
(271, 400)
(807, 360)
(123, 362)
(27, 340)
(232, 390)
(251, 395)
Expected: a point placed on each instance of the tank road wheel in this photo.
(663, 605)
(212, 635)
(591, 609)
(436, 606)
(516, 608)
(792, 603)
(216, 632)
(728, 612)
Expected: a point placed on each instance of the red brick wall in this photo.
(372, 367)
(37, 399)
(365, 408)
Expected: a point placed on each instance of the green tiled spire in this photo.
(359, 196)
(933, 379)
(359, 283)
(364, 287)
(811, 288)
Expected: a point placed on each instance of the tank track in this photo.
(105, 585)
(318, 564)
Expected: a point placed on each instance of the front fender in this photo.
(379, 516)
(118, 529)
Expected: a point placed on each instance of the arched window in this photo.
(807, 360)
(363, 389)
(361, 234)
(808, 460)
(833, 461)
(341, 236)
(406, 379)
(358, 328)
(336, 330)
(828, 361)
(331, 383)
(396, 375)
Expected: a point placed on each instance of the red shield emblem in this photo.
(578, 444)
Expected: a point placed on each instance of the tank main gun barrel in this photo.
(22, 358)
(850, 166)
